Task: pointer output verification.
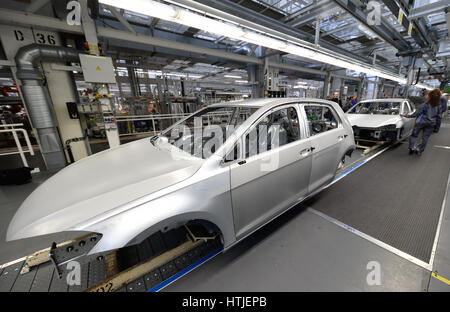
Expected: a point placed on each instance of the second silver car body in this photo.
(402, 126)
(132, 191)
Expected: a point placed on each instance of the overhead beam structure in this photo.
(36, 5)
(233, 12)
(384, 31)
(54, 24)
(428, 9)
(416, 32)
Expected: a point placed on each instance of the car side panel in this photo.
(258, 193)
(207, 198)
(328, 149)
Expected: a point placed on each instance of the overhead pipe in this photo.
(37, 97)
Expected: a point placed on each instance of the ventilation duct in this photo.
(37, 98)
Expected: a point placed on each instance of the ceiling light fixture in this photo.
(232, 76)
(187, 18)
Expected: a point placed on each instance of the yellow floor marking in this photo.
(441, 278)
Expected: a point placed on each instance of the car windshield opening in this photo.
(203, 133)
(376, 108)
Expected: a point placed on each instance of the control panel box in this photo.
(97, 69)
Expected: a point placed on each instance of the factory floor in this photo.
(330, 242)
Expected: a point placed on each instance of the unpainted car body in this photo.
(129, 192)
(382, 124)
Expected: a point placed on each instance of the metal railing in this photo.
(154, 118)
(12, 128)
(157, 118)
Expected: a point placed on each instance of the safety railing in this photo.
(13, 129)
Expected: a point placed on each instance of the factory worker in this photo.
(444, 104)
(427, 116)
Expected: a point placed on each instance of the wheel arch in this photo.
(206, 219)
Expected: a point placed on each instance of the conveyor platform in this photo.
(149, 266)
(396, 199)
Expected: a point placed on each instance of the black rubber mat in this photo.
(395, 198)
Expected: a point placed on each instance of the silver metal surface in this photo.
(375, 121)
(132, 191)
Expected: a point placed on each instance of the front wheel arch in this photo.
(174, 223)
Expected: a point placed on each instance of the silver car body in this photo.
(132, 191)
(379, 122)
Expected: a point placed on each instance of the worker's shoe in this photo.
(418, 153)
(411, 151)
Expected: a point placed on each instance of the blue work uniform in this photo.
(443, 110)
(353, 103)
(427, 117)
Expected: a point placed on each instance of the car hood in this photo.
(372, 121)
(97, 184)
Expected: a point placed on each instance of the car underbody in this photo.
(386, 133)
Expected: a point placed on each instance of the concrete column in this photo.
(336, 85)
(361, 86)
(326, 86)
(132, 79)
(255, 74)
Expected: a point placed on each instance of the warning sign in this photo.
(410, 28)
(400, 16)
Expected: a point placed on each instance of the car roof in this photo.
(268, 102)
(385, 100)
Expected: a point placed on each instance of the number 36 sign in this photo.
(14, 38)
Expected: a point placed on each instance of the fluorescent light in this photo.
(241, 81)
(423, 86)
(264, 40)
(187, 18)
(232, 76)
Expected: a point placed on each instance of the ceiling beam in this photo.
(311, 15)
(11, 17)
(121, 19)
(36, 5)
(384, 31)
(417, 36)
(231, 11)
(428, 9)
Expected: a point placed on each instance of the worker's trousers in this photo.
(426, 130)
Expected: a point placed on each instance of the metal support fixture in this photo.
(418, 32)
(384, 31)
(12, 128)
(90, 32)
(89, 28)
(69, 149)
(428, 9)
(317, 37)
(361, 85)
(121, 19)
(447, 18)
(326, 86)
(52, 259)
(313, 14)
